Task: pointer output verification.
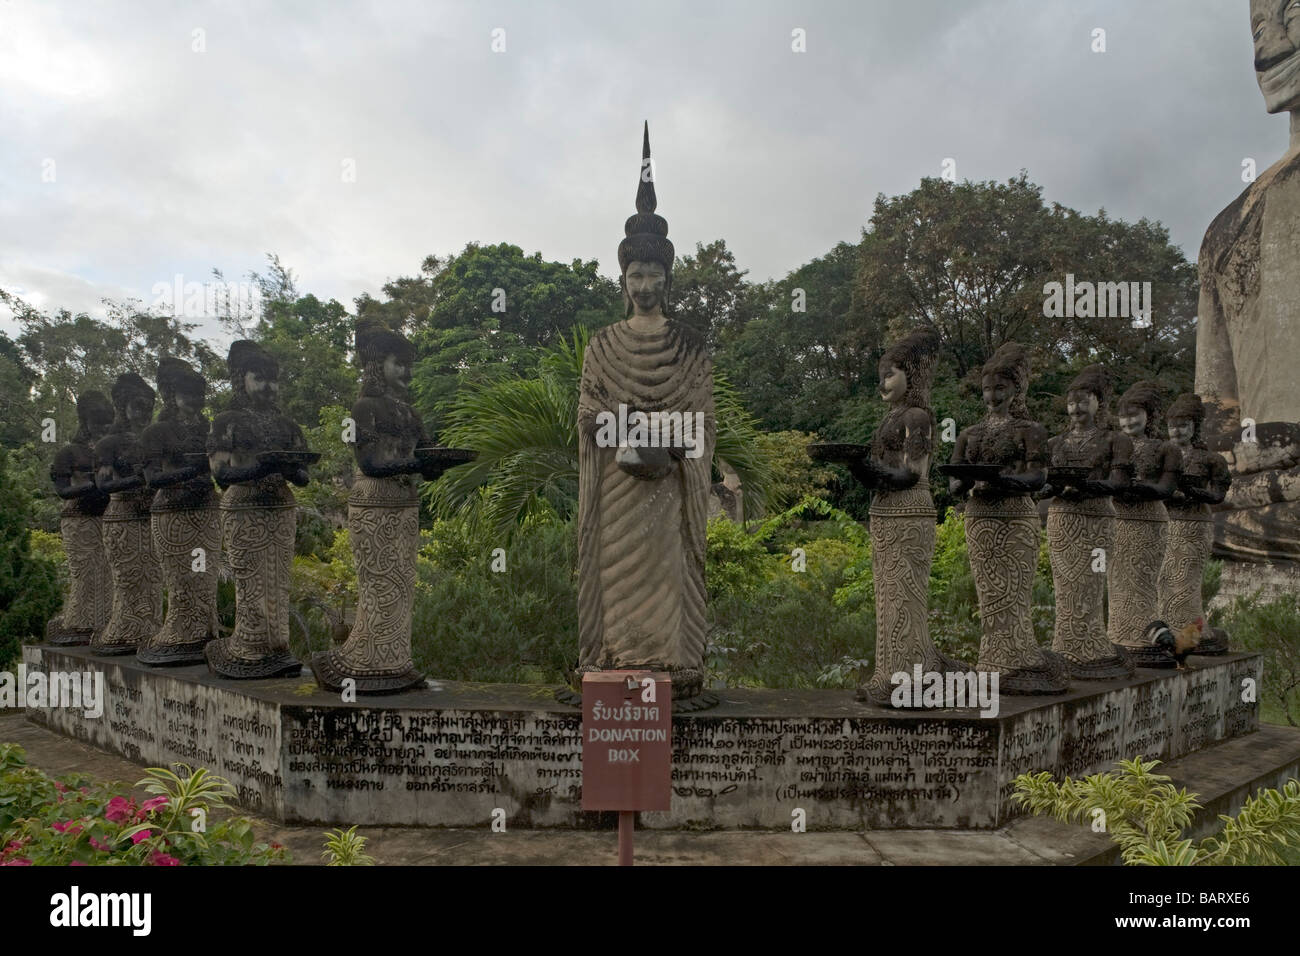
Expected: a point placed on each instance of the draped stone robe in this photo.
(641, 541)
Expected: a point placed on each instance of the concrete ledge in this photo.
(1245, 764)
(451, 754)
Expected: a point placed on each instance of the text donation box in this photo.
(627, 740)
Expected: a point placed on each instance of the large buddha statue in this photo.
(642, 507)
(1248, 336)
(85, 608)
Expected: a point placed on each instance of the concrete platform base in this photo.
(1224, 775)
(454, 754)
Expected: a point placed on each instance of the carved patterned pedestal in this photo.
(191, 620)
(1002, 539)
(137, 582)
(90, 582)
(257, 524)
(1074, 530)
(383, 526)
(1133, 595)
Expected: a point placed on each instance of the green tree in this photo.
(482, 314)
(525, 430)
(710, 294)
(29, 591)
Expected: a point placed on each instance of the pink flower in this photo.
(99, 844)
(119, 810)
(76, 863)
(60, 787)
(158, 858)
(141, 836)
(70, 826)
(149, 806)
(17, 862)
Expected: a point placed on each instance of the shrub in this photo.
(76, 821)
(1273, 629)
(1146, 816)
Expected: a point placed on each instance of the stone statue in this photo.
(642, 505)
(902, 515)
(128, 542)
(1009, 451)
(1248, 338)
(393, 453)
(85, 608)
(1086, 465)
(254, 451)
(1204, 482)
(184, 517)
(1141, 526)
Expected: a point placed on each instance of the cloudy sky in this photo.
(140, 140)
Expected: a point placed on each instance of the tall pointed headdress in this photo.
(645, 233)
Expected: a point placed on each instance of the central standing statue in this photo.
(642, 510)
(253, 451)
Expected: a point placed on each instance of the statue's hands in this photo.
(957, 487)
(646, 463)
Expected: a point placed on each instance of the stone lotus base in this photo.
(451, 754)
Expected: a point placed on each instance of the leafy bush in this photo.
(346, 848)
(76, 821)
(1146, 816)
(29, 584)
(517, 625)
(1273, 629)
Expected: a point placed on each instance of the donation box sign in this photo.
(627, 740)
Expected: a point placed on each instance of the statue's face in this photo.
(893, 383)
(1181, 431)
(1081, 406)
(138, 411)
(397, 373)
(260, 389)
(646, 283)
(1275, 26)
(189, 402)
(1133, 420)
(998, 393)
(99, 424)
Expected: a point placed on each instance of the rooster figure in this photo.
(1178, 644)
